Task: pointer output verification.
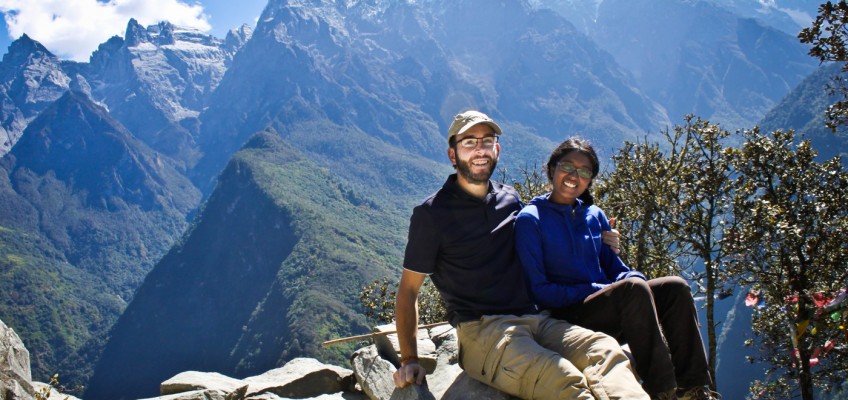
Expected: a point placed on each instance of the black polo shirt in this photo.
(467, 247)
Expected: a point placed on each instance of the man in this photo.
(462, 236)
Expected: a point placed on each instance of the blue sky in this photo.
(72, 29)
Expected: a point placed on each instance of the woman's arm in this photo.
(546, 294)
(614, 268)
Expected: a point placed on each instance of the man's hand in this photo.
(406, 320)
(409, 373)
(611, 238)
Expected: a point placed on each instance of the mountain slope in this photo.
(272, 265)
(399, 71)
(804, 111)
(697, 57)
(101, 208)
(77, 165)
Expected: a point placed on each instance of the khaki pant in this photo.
(539, 357)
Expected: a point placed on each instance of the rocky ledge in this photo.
(369, 375)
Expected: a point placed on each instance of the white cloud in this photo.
(72, 29)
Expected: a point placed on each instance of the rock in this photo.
(413, 392)
(11, 389)
(464, 387)
(388, 347)
(49, 392)
(15, 372)
(446, 381)
(203, 394)
(333, 396)
(193, 380)
(445, 338)
(302, 378)
(373, 373)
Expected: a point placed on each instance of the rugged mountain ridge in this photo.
(273, 261)
(158, 79)
(30, 79)
(696, 56)
(803, 110)
(100, 207)
(395, 71)
(87, 207)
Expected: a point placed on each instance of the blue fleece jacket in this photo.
(562, 253)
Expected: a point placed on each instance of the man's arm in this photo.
(406, 322)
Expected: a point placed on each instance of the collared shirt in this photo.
(466, 245)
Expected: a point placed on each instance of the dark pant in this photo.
(637, 312)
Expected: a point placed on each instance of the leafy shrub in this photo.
(378, 299)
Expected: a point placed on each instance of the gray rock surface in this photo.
(388, 347)
(373, 367)
(194, 380)
(301, 378)
(15, 373)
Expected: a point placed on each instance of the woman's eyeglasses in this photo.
(569, 168)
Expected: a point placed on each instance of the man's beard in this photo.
(463, 168)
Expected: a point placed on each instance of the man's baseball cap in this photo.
(464, 121)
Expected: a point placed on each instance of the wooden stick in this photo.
(375, 334)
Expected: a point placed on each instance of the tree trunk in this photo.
(711, 326)
(805, 378)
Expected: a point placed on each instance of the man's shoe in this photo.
(698, 393)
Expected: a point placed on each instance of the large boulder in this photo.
(15, 373)
(438, 351)
(201, 394)
(302, 378)
(194, 380)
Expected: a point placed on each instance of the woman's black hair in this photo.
(582, 146)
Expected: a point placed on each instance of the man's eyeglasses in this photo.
(471, 142)
(569, 168)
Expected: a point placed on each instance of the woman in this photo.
(580, 279)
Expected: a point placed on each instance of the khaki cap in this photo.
(464, 121)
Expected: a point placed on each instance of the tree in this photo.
(788, 241)
(378, 300)
(674, 204)
(699, 209)
(827, 35)
(631, 194)
(534, 182)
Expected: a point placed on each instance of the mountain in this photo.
(397, 72)
(804, 111)
(789, 16)
(157, 80)
(696, 57)
(31, 78)
(271, 266)
(80, 192)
